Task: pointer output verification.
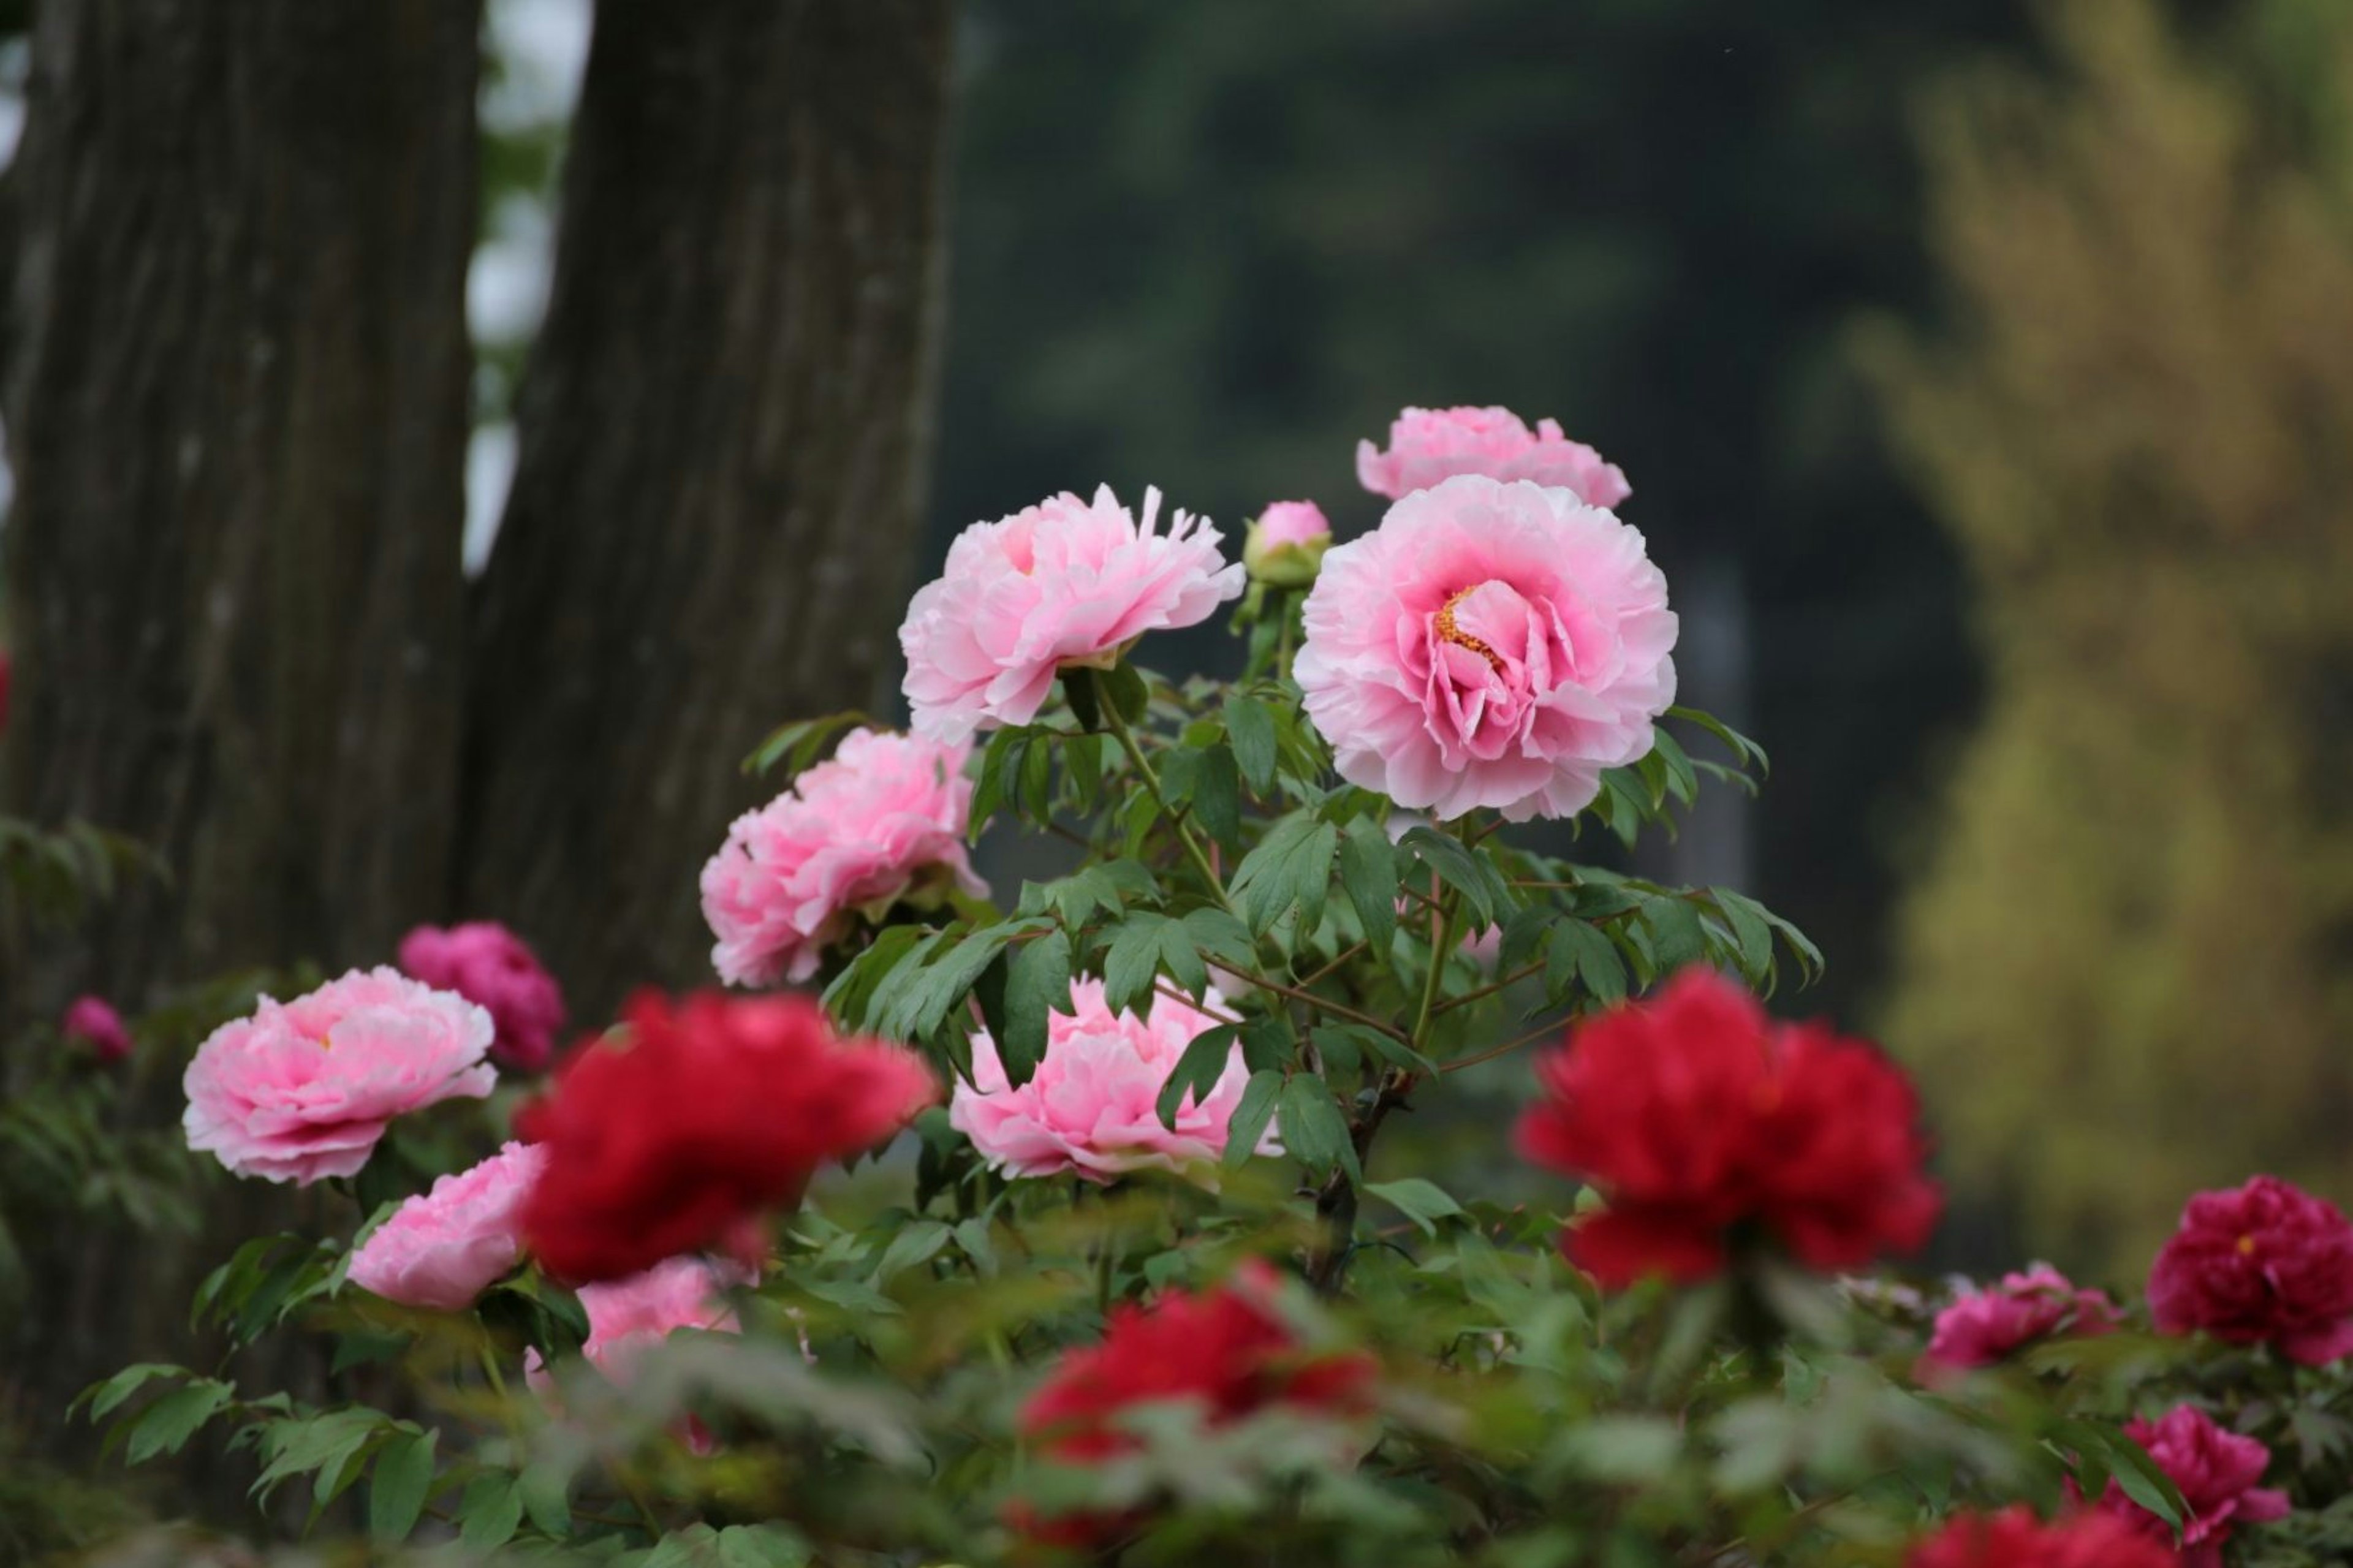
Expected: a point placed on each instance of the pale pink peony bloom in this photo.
(302, 1090)
(1090, 1108)
(1065, 582)
(882, 821)
(1983, 1326)
(629, 1317)
(483, 961)
(1427, 445)
(443, 1248)
(1489, 645)
(92, 1021)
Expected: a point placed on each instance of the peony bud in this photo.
(95, 1024)
(1284, 548)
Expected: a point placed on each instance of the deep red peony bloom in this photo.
(2266, 1263)
(2216, 1472)
(673, 1136)
(1697, 1115)
(2014, 1537)
(1224, 1348)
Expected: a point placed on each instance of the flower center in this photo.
(1448, 631)
(2246, 1247)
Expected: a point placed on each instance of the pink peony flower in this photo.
(1427, 445)
(628, 1317)
(1091, 1107)
(1489, 645)
(2216, 1472)
(2265, 1263)
(1285, 546)
(881, 822)
(93, 1021)
(1064, 582)
(445, 1247)
(487, 963)
(1984, 1326)
(302, 1090)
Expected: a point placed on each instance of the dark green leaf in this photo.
(489, 1512)
(1313, 1130)
(1424, 1203)
(399, 1484)
(1749, 929)
(168, 1422)
(1369, 872)
(1196, 1072)
(1039, 980)
(797, 744)
(1675, 934)
(1468, 873)
(1250, 726)
(1574, 950)
(1252, 1113)
(1125, 688)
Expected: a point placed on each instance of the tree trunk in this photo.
(236, 409)
(724, 430)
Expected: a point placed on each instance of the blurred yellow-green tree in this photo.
(2126, 967)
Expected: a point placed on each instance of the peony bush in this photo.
(1168, 1208)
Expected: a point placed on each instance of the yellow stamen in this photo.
(2246, 1247)
(1448, 631)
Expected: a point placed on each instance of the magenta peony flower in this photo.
(2216, 1472)
(1286, 544)
(2266, 1263)
(1489, 645)
(445, 1247)
(487, 963)
(303, 1089)
(1984, 1326)
(1064, 582)
(1427, 445)
(92, 1021)
(1091, 1107)
(882, 822)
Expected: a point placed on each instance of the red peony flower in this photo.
(2216, 1472)
(1223, 1349)
(672, 1136)
(1698, 1116)
(2014, 1537)
(2268, 1263)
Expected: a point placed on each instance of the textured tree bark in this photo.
(724, 432)
(236, 409)
(235, 395)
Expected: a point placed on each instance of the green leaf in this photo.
(1125, 686)
(545, 1490)
(1468, 873)
(1424, 1203)
(1745, 749)
(398, 1486)
(1749, 929)
(163, 1427)
(1622, 1451)
(489, 1512)
(1196, 1072)
(1291, 864)
(1369, 872)
(1039, 982)
(1313, 1130)
(1373, 1042)
(1677, 936)
(1524, 936)
(850, 999)
(2143, 1480)
(1131, 961)
(1252, 1113)
(797, 744)
(1205, 781)
(1217, 933)
(104, 1396)
(1681, 781)
(1576, 950)
(1086, 703)
(1249, 727)
(915, 1244)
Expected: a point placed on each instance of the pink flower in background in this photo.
(882, 821)
(2265, 1263)
(1984, 1326)
(443, 1248)
(1489, 645)
(629, 1317)
(1064, 582)
(302, 1090)
(93, 1021)
(2216, 1472)
(1427, 445)
(1091, 1107)
(487, 963)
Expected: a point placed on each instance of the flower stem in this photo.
(1143, 764)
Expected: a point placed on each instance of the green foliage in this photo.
(2122, 971)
